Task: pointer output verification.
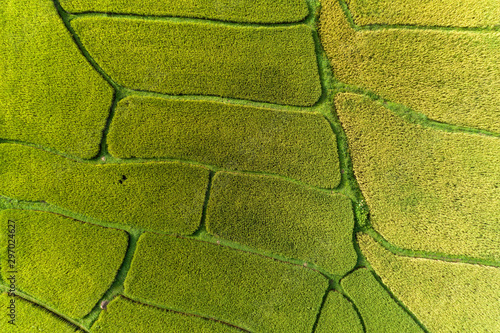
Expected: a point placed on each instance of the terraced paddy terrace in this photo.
(250, 166)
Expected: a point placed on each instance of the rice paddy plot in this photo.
(444, 13)
(252, 11)
(65, 264)
(281, 217)
(428, 190)
(49, 94)
(445, 296)
(338, 316)
(449, 76)
(30, 317)
(126, 316)
(299, 145)
(159, 196)
(379, 311)
(250, 291)
(268, 64)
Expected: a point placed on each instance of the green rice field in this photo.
(285, 166)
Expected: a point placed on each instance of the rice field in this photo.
(442, 13)
(449, 76)
(198, 58)
(297, 145)
(463, 297)
(249, 166)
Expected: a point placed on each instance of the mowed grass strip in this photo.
(298, 145)
(338, 316)
(61, 262)
(450, 76)
(250, 291)
(49, 94)
(252, 11)
(445, 13)
(445, 296)
(124, 315)
(268, 64)
(30, 317)
(159, 196)
(427, 190)
(379, 310)
(285, 218)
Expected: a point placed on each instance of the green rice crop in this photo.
(254, 11)
(379, 311)
(445, 296)
(338, 316)
(63, 263)
(31, 318)
(125, 316)
(49, 94)
(298, 145)
(255, 293)
(160, 196)
(450, 76)
(268, 64)
(445, 13)
(282, 217)
(427, 189)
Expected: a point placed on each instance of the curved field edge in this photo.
(261, 66)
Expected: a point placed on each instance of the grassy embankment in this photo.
(378, 309)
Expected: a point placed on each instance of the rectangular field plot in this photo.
(267, 64)
(299, 145)
(285, 218)
(254, 11)
(247, 290)
(427, 189)
(160, 196)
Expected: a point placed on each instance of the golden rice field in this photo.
(285, 166)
